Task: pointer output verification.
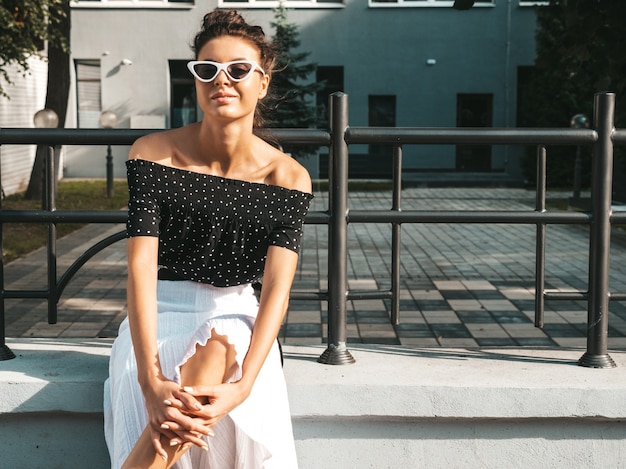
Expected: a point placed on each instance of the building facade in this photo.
(404, 63)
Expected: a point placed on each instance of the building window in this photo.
(332, 77)
(131, 3)
(474, 110)
(381, 113)
(524, 77)
(286, 3)
(88, 92)
(424, 3)
(183, 101)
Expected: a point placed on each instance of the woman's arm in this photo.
(142, 317)
(142, 306)
(280, 268)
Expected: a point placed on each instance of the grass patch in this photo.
(21, 238)
(557, 204)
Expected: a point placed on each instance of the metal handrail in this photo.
(602, 138)
(467, 135)
(50, 216)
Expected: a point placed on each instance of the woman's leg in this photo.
(212, 363)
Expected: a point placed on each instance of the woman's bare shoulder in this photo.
(157, 147)
(288, 172)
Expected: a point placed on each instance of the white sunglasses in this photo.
(238, 70)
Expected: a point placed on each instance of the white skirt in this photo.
(256, 434)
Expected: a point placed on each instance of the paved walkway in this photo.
(462, 285)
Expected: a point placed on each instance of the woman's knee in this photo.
(211, 363)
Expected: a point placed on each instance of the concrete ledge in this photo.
(51, 404)
(396, 407)
(456, 383)
(54, 375)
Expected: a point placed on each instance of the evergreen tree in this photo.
(579, 53)
(291, 100)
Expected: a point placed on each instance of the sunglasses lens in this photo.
(239, 70)
(205, 71)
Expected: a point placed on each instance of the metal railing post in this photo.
(5, 352)
(540, 242)
(50, 205)
(396, 234)
(596, 355)
(109, 171)
(337, 353)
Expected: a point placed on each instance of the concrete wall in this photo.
(384, 51)
(53, 440)
(397, 407)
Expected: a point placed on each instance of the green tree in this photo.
(292, 93)
(25, 26)
(579, 53)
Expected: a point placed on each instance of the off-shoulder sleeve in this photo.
(143, 208)
(288, 232)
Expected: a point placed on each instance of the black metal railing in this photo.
(602, 138)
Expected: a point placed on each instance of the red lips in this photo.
(223, 96)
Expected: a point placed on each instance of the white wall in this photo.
(27, 96)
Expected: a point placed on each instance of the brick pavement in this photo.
(463, 285)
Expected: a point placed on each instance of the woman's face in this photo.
(223, 98)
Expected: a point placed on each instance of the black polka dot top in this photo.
(212, 229)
